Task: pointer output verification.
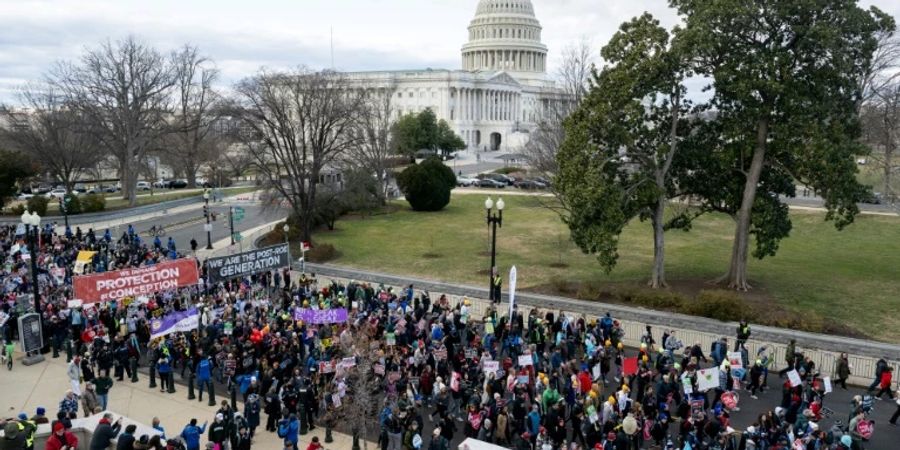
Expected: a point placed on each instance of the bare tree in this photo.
(374, 149)
(574, 75)
(52, 134)
(575, 71)
(191, 144)
(359, 407)
(123, 89)
(295, 124)
(881, 118)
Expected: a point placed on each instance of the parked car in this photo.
(80, 188)
(24, 195)
(143, 186)
(56, 193)
(489, 183)
(43, 188)
(178, 184)
(873, 198)
(530, 184)
(466, 182)
(160, 184)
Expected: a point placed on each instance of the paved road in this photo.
(186, 225)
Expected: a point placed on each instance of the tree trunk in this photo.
(191, 173)
(737, 272)
(658, 278)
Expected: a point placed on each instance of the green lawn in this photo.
(852, 276)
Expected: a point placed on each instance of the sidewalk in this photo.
(27, 387)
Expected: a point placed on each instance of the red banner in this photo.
(148, 280)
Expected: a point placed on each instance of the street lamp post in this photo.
(208, 225)
(494, 220)
(286, 228)
(32, 221)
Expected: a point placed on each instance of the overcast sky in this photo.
(242, 36)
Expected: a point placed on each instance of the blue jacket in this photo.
(191, 435)
(204, 369)
(290, 430)
(244, 381)
(534, 423)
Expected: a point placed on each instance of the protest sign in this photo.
(735, 360)
(146, 280)
(512, 290)
(248, 263)
(440, 354)
(687, 385)
(630, 366)
(348, 362)
(525, 360)
(183, 321)
(828, 387)
(471, 353)
(491, 366)
(326, 366)
(707, 379)
(794, 378)
(522, 379)
(390, 339)
(320, 316)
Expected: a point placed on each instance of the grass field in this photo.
(852, 276)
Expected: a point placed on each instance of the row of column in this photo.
(489, 105)
(519, 60)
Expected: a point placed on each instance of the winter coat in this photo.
(843, 369)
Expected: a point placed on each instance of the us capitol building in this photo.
(502, 89)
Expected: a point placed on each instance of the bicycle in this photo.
(158, 231)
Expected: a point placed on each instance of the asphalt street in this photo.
(186, 225)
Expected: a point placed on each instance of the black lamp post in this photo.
(33, 221)
(208, 226)
(494, 220)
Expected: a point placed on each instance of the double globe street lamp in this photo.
(494, 220)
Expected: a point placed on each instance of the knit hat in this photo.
(23, 416)
(41, 411)
(846, 440)
(58, 426)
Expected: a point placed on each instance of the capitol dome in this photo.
(505, 35)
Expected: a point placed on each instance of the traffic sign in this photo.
(237, 213)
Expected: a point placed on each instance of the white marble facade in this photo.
(502, 89)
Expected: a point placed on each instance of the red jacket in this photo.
(886, 379)
(585, 379)
(54, 442)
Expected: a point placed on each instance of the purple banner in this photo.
(320, 316)
(184, 321)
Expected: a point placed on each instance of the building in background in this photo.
(500, 93)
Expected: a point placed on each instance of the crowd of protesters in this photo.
(529, 380)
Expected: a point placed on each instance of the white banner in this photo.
(707, 379)
(512, 290)
(794, 377)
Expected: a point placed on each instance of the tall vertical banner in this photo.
(512, 290)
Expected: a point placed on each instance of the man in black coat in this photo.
(105, 432)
